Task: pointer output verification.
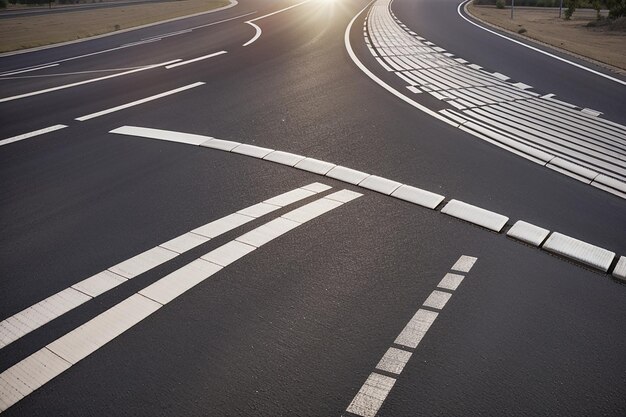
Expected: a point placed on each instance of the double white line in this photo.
(39, 368)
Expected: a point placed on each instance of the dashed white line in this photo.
(31, 134)
(200, 58)
(473, 214)
(376, 388)
(580, 251)
(138, 102)
(527, 232)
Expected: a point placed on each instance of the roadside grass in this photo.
(575, 35)
(31, 31)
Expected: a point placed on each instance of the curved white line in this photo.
(608, 77)
(381, 82)
(256, 35)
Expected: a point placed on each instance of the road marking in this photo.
(39, 368)
(315, 166)
(580, 251)
(258, 30)
(22, 323)
(485, 218)
(200, 58)
(376, 388)
(39, 48)
(502, 112)
(464, 264)
(31, 134)
(138, 102)
(93, 80)
(476, 215)
(529, 233)
(537, 49)
(620, 269)
(6, 74)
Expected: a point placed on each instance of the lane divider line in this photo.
(258, 29)
(376, 388)
(6, 74)
(35, 316)
(39, 368)
(93, 80)
(200, 58)
(138, 102)
(493, 32)
(31, 134)
(589, 255)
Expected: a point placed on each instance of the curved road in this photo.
(295, 326)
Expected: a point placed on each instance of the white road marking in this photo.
(232, 3)
(437, 299)
(455, 208)
(31, 134)
(394, 360)
(228, 253)
(527, 232)
(450, 281)
(52, 307)
(415, 329)
(580, 251)
(39, 368)
(258, 29)
(143, 262)
(537, 49)
(312, 210)
(620, 269)
(481, 217)
(464, 264)
(348, 175)
(315, 166)
(503, 113)
(138, 102)
(76, 84)
(222, 145)
(146, 132)
(376, 388)
(371, 396)
(268, 232)
(418, 196)
(380, 184)
(6, 74)
(200, 58)
(284, 158)
(251, 150)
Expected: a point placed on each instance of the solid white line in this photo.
(608, 77)
(31, 134)
(137, 102)
(40, 48)
(70, 298)
(200, 58)
(167, 35)
(6, 74)
(278, 11)
(256, 35)
(97, 332)
(61, 87)
(258, 29)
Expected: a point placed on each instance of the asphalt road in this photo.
(297, 326)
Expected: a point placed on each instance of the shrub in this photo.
(500, 4)
(521, 30)
(571, 7)
(617, 8)
(3, 4)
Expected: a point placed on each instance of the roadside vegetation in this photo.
(591, 30)
(44, 29)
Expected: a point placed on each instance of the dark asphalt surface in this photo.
(296, 327)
